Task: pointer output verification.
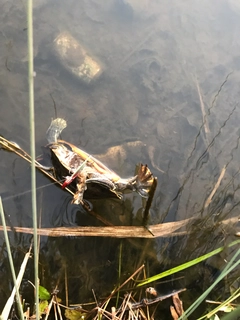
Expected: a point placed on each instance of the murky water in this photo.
(169, 95)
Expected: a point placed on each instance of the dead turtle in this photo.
(81, 171)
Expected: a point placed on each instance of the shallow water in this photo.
(164, 64)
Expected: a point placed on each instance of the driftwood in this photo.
(153, 231)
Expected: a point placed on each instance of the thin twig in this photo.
(8, 305)
(125, 282)
(49, 308)
(58, 308)
(55, 310)
(204, 115)
(148, 302)
(116, 290)
(125, 306)
(209, 199)
(66, 285)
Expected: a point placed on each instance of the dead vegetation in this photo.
(121, 304)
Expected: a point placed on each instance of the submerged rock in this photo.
(75, 58)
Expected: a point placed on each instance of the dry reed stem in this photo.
(55, 311)
(113, 313)
(204, 116)
(106, 313)
(66, 285)
(159, 230)
(209, 199)
(49, 308)
(103, 305)
(58, 309)
(125, 304)
(125, 282)
(8, 305)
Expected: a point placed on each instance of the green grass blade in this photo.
(32, 144)
(223, 304)
(229, 267)
(185, 265)
(233, 315)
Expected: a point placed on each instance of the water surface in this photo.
(170, 86)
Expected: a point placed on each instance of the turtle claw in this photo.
(47, 168)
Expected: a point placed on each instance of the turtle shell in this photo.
(77, 168)
(67, 158)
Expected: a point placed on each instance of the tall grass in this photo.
(31, 75)
(232, 264)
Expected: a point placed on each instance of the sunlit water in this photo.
(170, 86)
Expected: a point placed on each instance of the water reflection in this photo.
(170, 88)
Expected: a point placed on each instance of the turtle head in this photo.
(56, 127)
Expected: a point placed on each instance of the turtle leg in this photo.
(81, 187)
